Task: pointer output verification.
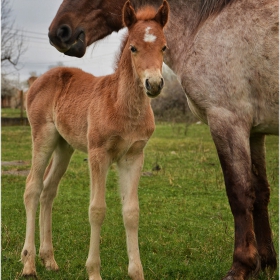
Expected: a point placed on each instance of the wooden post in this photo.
(21, 103)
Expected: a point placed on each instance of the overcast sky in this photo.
(33, 17)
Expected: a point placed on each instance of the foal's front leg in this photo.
(98, 165)
(129, 172)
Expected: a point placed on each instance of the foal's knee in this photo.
(32, 193)
(97, 214)
(48, 195)
(131, 217)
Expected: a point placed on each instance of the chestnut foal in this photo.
(111, 119)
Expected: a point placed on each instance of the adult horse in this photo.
(225, 54)
(111, 119)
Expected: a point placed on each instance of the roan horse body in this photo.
(225, 53)
(111, 119)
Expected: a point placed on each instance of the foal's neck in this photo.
(131, 95)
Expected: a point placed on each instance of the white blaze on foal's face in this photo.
(149, 37)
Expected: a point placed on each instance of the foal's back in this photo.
(64, 93)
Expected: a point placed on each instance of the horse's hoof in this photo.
(269, 263)
(228, 278)
(232, 275)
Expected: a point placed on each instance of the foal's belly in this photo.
(74, 133)
(117, 147)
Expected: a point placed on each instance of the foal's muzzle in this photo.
(154, 86)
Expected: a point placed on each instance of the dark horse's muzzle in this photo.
(68, 43)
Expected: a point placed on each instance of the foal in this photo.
(111, 119)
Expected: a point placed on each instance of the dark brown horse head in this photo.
(79, 23)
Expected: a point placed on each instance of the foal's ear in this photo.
(129, 16)
(162, 14)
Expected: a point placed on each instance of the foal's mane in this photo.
(146, 12)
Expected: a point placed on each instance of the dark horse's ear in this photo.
(129, 16)
(162, 14)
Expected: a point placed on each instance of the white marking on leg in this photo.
(148, 37)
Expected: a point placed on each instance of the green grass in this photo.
(11, 113)
(186, 227)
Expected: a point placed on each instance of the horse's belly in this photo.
(267, 126)
(197, 111)
(266, 129)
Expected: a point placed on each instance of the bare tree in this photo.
(12, 43)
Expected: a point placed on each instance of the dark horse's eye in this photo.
(133, 49)
(164, 48)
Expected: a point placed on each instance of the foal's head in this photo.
(147, 44)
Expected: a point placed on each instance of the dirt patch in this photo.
(15, 172)
(15, 162)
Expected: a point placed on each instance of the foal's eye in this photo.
(133, 49)
(164, 48)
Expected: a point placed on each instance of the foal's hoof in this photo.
(135, 271)
(29, 271)
(29, 274)
(48, 260)
(51, 265)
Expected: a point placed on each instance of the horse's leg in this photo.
(129, 174)
(44, 142)
(231, 137)
(57, 167)
(261, 220)
(98, 165)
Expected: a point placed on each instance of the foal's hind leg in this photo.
(55, 171)
(261, 220)
(129, 172)
(44, 142)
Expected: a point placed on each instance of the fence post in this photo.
(21, 103)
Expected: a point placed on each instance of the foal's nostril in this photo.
(64, 32)
(148, 85)
(161, 84)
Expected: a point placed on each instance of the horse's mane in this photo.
(146, 9)
(204, 8)
(211, 7)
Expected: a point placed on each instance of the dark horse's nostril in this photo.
(64, 32)
(148, 85)
(161, 83)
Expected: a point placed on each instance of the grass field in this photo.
(186, 227)
(12, 113)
